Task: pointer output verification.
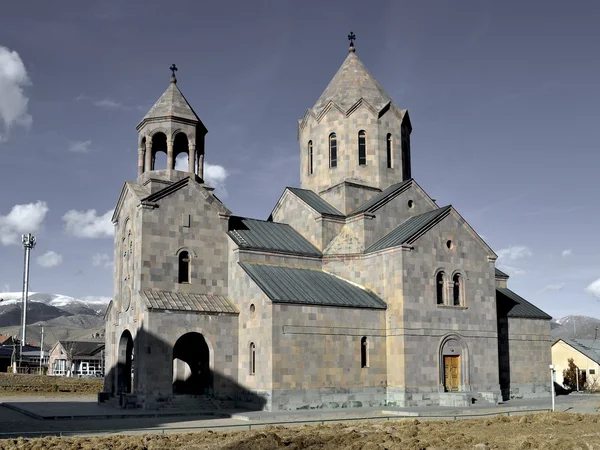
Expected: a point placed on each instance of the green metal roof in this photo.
(410, 229)
(518, 306)
(310, 287)
(382, 198)
(262, 235)
(583, 345)
(315, 201)
(501, 274)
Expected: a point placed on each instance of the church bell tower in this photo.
(171, 126)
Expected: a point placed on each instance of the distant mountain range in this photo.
(580, 327)
(62, 317)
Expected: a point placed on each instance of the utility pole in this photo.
(28, 243)
(41, 349)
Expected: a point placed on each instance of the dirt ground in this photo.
(18, 384)
(534, 431)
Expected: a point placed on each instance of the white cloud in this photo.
(108, 103)
(554, 287)
(80, 146)
(87, 224)
(22, 219)
(512, 271)
(566, 253)
(181, 162)
(102, 259)
(104, 103)
(514, 252)
(13, 102)
(594, 288)
(49, 259)
(215, 176)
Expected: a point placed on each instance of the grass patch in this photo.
(18, 384)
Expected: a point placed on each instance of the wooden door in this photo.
(451, 373)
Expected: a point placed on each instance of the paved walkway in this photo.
(82, 415)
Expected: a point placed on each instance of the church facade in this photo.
(358, 290)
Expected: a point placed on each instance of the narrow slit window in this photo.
(439, 281)
(364, 352)
(362, 148)
(184, 267)
(389, 150)
(332, 150)
(252, 358)
(310, 157)
(456, 289)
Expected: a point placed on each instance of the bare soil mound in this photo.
(13, 384)
(547, 430)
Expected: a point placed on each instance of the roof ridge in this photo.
(410, 234)
(383, 197)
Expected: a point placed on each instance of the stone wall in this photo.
(255, 326)
(190, 219)
(317, 357)
(427, 324)
(529, 356)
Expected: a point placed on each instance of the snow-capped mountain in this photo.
(96, 304)
(61, 316)
(582, 327)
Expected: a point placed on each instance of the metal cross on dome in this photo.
(351, 38)
(173, 69)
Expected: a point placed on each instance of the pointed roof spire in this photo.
(351, 83)
(172, 104)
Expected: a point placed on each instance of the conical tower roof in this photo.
(351, 83)
(172, 104)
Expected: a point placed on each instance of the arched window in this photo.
(362, 148)
(310, 158)
(388, 143)
(364, 352)
(405, 159)
(457, 289)
(332, 150)
(184, 267)
(252, 358)
(439, 283)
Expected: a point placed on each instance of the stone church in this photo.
(358, 290)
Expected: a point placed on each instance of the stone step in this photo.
(199, 402)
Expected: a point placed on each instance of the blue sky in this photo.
(503, 98)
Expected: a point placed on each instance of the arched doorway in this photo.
(125, 363)
(191, 365)
(454, 364)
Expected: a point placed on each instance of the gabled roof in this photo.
(587, 347)
(315, 201)
(172, 104)
(82, 348)
(410, 229)
(500, 274)
(517, 306)
(382, 198)
(255, 234)
(352, 83)
(309, 287)
(187, 301)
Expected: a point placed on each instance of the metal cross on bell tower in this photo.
(173, 69)
(351, 38)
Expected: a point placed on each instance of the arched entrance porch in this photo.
(191, 365)
(125, 363)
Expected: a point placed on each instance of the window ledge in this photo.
(452, 306)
